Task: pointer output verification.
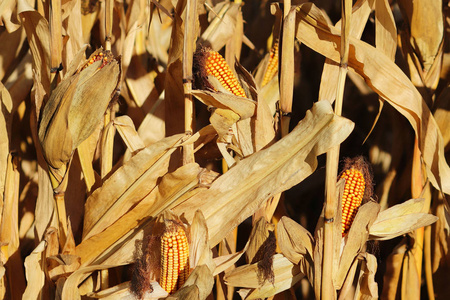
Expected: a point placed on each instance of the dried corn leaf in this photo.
(34, 269)
(386, 79)
(244, 108)
(258, 239)
(238, 193)
(9, 231)
(115, 245)
(367, 287)
(294, 240)
(224, 262)
(198, 285)
(427, 30)
(199, 250)
(286, 274)
(8, 16)
(410, 286)
(402, 224)
(5, 132)
(222, 27)
(127, 186)
(70, 290)
(38, 35)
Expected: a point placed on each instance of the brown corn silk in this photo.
(174, 258)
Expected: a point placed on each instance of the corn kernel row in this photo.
(174, 259)
(351, 197)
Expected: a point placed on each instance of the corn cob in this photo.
(100, 55)
(352, 197)
(272, 66)
(211, 63)
(174, 259)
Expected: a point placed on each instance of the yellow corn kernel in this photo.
(351, 197)
(272, 66)
(215, 65)
(174, 259)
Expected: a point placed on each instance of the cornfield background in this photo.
(116, 136)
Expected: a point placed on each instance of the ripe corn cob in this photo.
(215, 65)
(351, 197)
(272, 66)
(174, 259)
(96, 57)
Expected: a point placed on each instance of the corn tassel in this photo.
(352, 197)
(272, 66)
(174, 259)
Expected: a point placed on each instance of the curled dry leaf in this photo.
(393, 86)
(400, 219)
(238, 193)
(294, 240)
(222, 26)
(286, 274)
(127, 186)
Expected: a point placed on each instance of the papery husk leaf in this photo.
(392, 275)
(222, 27)
(85, 113)
(45, 205)
(199, 250)
(243, 107)
(258, 236)
(127, 186)
(367, 287)
(222, 119)
(387, 80)
(54, 132)
(121, 290)
(224, 262)
(71, 115)
(34, 270)
(70, 290)
(198, 285)
(7, 16)
(38, 35)
(9, 230)
(116, 244)
(244, 187)
(357, 238)
(63, 265)
(71, 17)
(360, 15)
(410, 286)
(127, 131)
(347, 290)
(86, 152)
(173, 84)
(400, 219)
(426, 29)
(411, 206)
(400, 225)
(286, 275)
(5, 132)
(442, 115)
(294, 240)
